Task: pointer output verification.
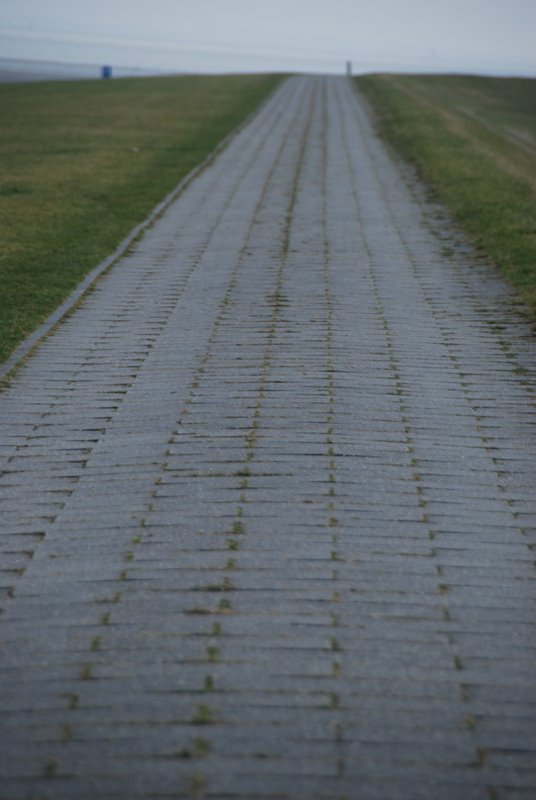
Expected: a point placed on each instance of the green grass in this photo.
(84, 162)
(474, 141)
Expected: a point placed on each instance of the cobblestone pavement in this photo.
(268, 520)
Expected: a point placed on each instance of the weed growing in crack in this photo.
(196, 785)
(203, 715)
(73, 700)
(200, 746)
(213, 653)
(50, 769)
(66, 733)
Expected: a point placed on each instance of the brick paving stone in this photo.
(268, 520)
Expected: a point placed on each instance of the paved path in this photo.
(268, 519)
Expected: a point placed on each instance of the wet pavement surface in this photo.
(268, 520)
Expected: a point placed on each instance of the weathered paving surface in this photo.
(268, 520)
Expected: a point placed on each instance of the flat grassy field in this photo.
(474, 141)
(83, 162)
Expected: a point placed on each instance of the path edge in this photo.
(34, 339)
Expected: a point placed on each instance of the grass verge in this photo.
(83, 162)
(473, 140)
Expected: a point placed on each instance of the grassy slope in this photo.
(84, 162)
(474, 140)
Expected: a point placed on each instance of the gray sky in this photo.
(487, 36)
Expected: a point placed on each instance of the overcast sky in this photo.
(486, 36)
